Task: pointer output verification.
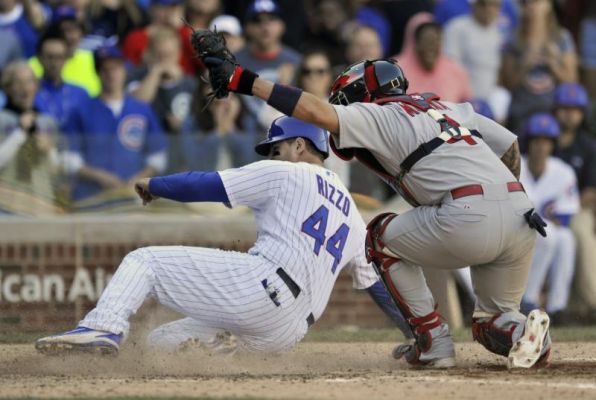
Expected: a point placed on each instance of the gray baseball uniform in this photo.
(486, 231)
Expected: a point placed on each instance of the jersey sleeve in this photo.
(363, 273)
(364, 125)
(255, 184)
(497, 137)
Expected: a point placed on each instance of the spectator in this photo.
(266, 56)
(231, 29)
(198, 14)
(111, 19)
(315, 76)
(113, 139)
(328, 22)
(368, 13)
(475, 41)
(552, 187)
(445, 10)
(426, 68)
(162, 83)
(399, 13)
(24, 17)
(208, 133)
(363, 44)
(28, 155)
(79, 68)
(540, 56)
(10, 50)
(163, 13)
(55, 97)
(578, 150)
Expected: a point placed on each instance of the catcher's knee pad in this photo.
(497, 333)
(376, 250)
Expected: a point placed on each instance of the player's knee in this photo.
(376, 249)
(498, 333)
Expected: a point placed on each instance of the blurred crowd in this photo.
(97, 93)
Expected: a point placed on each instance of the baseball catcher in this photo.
(458, 169)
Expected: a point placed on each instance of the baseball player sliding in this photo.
(308, 231)
(461, 172)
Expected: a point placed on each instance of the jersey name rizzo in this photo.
(333, 195)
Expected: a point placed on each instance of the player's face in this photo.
(286, 150)
(540, 148)
(570, 118)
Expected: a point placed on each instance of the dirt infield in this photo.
(311, 371)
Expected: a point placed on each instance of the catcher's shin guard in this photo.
(383, 259)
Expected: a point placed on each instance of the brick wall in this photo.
(39, 274)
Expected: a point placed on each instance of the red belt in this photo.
(472, 190)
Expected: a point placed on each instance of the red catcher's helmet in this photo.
(367, 81)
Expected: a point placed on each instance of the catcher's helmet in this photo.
(571, 95)
(284, 128)
(542, 125)
(368, 80)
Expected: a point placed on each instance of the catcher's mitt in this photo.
(210, 47)
(225, 74)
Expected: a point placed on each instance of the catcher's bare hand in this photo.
(142, 189)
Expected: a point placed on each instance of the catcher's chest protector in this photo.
(415, 104)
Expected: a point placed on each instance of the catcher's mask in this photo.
(367, 81)
(284, 128)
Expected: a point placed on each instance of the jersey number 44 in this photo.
(315, 226)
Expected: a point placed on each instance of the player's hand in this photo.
(142, 189)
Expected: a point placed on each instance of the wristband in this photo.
(284, 98)
(242, 80)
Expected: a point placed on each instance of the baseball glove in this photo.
(225, 74)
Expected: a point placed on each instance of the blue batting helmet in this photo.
(571, 95)
(542, 125)
(287, 127)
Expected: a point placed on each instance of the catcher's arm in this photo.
(309, 108)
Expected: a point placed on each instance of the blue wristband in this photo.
(284, 98)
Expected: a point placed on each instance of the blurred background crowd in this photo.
(97, 93)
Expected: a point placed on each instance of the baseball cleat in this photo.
(81, 339)
(533, 348)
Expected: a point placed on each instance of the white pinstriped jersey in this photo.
(555, 191)
(307, 224)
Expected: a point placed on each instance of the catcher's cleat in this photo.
(81, 339)
(440, 355)
(533, 348)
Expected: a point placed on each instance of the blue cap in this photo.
(106, 52)
(571, 95)
(543, 125)
(64, 13)
(262, 7)
(284, 128)
(482, 108)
